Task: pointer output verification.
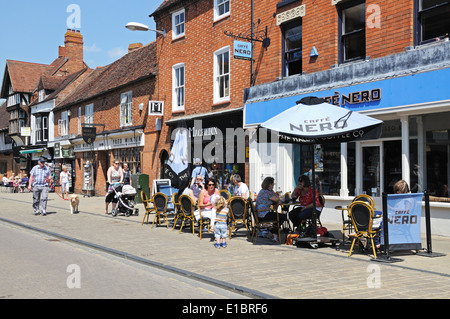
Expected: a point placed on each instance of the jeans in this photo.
(40, 195)
(297, 215)
(220, 231)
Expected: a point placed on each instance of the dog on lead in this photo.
(74, 202)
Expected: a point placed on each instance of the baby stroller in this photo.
(125, 195)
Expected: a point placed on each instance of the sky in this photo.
(32, 31)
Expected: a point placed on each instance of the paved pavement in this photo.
(264, 270)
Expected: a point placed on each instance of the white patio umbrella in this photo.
(313, 121)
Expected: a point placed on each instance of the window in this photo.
(79, 120)
(353, 31)
(178, 19)
(433, 20)
(132, 156)
(126, 108)
(222, 75)
(292, 37)
(221, 9)
(89, 114)
(178, 88)
(63, 124)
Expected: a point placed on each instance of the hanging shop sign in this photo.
(156, 108)
(89, 134)
(242, 50)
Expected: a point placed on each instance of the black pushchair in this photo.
(125, 195)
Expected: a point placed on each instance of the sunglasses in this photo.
(211, 184)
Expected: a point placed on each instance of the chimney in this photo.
(134, 46)
(73, 50)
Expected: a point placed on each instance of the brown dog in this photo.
(74, 202)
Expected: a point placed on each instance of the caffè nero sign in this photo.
(354, 98)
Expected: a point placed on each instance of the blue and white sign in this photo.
(242, 50)
(404, 213)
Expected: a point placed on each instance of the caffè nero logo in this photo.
(354, 98)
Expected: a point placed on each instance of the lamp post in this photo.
(136, 26)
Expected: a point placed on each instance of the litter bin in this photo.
(141, 183)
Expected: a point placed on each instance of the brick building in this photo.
(114, 100)
(388, 60)
(200, 82)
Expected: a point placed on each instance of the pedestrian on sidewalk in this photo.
(220, 222)
(64, 182)
(38, 183)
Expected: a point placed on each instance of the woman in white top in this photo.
(64, 182)
(114, 175)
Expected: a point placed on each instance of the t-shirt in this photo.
(40, 175)
(221, 216)
(200, 170)
(243, 189)
(64, 177)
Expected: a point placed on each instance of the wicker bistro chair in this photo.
(225, 194)
(178, 213)
(362, 215)
(258, 225)
(238, 214)
(148, 205)
(160, 202)
(188, 208)
(347, 225)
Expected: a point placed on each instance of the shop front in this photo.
(414, 145)
(93, 160)
(219, 140)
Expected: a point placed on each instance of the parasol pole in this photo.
(313, 171)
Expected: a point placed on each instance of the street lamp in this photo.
(136, 26)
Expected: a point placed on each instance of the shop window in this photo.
(222, 75)
(178, 23)
(437, 150)
(433, 20)
(178, 88)
(132, 156)
(292, 39)
(352, 31)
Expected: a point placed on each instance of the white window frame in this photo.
(63, 124)
(178, 87)
(220, 74)
(126, 109)
(178, 27)
(89, 114)
(79, 120)
(221, 4)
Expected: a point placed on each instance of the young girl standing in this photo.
(220, 223)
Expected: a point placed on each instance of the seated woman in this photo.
(304, 193)
(206, 200)
(265, 199)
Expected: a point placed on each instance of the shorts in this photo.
(220, 231)
(64, 187)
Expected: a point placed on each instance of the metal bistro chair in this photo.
(160, 201)
(362, 214)
(238, 213)
(148, 205)
(258, 225)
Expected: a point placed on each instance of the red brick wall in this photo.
(196, 50)
(320, 29)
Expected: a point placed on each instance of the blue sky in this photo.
(32, 31)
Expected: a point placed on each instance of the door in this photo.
(372, 179)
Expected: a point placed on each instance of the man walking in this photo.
(38, 183)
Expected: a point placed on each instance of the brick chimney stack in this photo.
(73, 51)
(134, 46)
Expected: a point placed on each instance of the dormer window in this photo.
(41, 95)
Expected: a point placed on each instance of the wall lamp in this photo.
(136, 26)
